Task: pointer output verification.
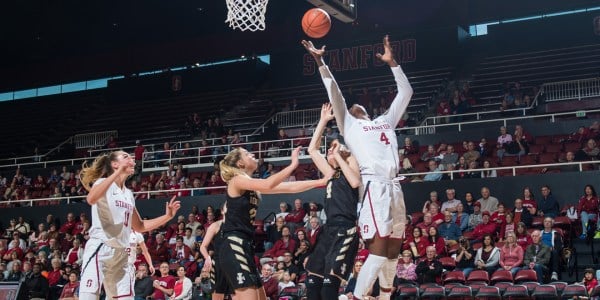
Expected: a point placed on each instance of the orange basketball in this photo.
(316, 23)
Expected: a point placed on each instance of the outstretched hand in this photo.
(172, 207)
(327, 112)
(388, 54)
(316, 53)
(294, 157)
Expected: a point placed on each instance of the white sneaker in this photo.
(554, 276)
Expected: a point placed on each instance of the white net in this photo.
(246, 14)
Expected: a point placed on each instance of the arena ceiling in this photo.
(47, 42)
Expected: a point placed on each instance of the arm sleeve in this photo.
(494, 258)
(342, 117)
(400, 102)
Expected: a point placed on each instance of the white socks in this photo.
(369, 272)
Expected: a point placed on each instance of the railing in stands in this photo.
(202, 191)
(478, 115)
(571, 90)
(430, 129)
(262, 149)
(297, 118)
(94, 139)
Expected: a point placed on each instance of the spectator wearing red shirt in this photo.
(436, 240)
(416, 243)
(79, 224)
(66, 243)
(159, 252)
(295, 218)
(313, 233)
(529, 201)
(54, 277)
(70, 289)
(180, 252)
(589, 280)
(285, 244)
(69, 224)
(362, 253)
(499, 216)
(164, 284)
(302, 139)
(269, 282)
(486, 227)
(523, 238)
(75, 254)
(437, 217)
(587, 208)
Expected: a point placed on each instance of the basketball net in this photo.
(246, 14)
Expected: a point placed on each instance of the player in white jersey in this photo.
(105, 259)
(374, 143)
(137, 239)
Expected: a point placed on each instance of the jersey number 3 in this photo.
(383, 138)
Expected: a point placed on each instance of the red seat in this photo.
(516, 291)
(572, 147)
(489, 292)
(501, 276)
(454, 276)
(543, 140)
(536, 149)
(526, 275)
(545, 291)
(448, 262)
(479, 276)
(537, 222)
(529, 159)
(547, 158)
(553, 148)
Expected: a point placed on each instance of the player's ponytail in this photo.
(101, 167)
(229, 167)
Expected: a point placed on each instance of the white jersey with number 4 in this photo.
(111, 216)
(372, 142)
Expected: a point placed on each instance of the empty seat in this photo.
(526, 275)
(501, 276)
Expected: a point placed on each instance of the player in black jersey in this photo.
(236, 254)
(333, 256)
(217, 277)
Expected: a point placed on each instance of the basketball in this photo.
(316, 23)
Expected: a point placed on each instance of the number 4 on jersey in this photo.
(383, 138)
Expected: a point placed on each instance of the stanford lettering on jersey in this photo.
(119, 203)
(378, 127)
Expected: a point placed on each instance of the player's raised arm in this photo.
(405, 91)
(140, 225)
(315, 142)
(333, 90)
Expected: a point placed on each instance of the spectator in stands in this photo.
(499, 216)
(511, 254)
(416, 243)
(437, 217)
(483, 148)
(462, 166)
(71, 290)
(461, 218)
(507, 226)
(589, 152)
(295, 218)
(429, 154)
(314, 230)
(450, 157)
(589, 279)
(476, 217)
(587, 209)
(314, 210)
(274, 231)
(182, 290)
(269, 282)
(547, 206)
(521, 214)
(35, 286)
(434, 172)
(164, 284)
(503, 139)
(409, 147)
(433, 198)
(180, 253)
(471, 154)
(331, 134)
(74, 254)
(488, 203)
(552, 239)
(282, 143)
(285, 244)
(351, 281)
(523, 238)
(302, 139)
(449, 230)
(406, 269)
(160, 251)
(451, 203)
(487, 173)
(537, 256)
(488, 256)
(471, 171)
(15, 272)
(436, 240)
(430, 269)
(289, 266)
(486, 227)
(443, 111)
(143, 283)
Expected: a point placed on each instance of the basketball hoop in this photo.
(246, 14)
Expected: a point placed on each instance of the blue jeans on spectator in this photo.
(467, 271)
(513, 270)
(585, 218)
